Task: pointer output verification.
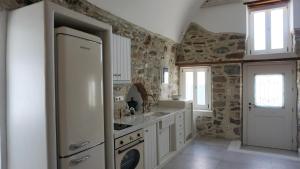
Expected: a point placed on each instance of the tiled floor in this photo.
(214, 154)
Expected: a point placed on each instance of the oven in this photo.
(129, 151)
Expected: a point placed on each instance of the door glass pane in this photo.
(201, 92)
(277, 28)
(269, 90)
(189, 85)
(259, 30)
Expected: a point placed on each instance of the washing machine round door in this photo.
(131, 159)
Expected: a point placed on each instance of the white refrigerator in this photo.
(80, 123)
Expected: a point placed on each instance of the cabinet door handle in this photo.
(80, 160)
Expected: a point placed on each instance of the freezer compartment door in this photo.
(80, 94)
(90, 159)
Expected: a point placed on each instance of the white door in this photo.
(269, 106)
(150, 149)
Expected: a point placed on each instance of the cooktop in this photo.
(118, 126)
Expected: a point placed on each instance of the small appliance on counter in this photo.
(79, 100)
(132, 104)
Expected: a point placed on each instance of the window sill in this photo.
(203, 113)
(270, 56)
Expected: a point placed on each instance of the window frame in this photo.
(286, 30)
(208, 87)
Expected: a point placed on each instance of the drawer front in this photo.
(179, 116)
(179, 143)
(179, 134)
(179, 124)
(93, 158)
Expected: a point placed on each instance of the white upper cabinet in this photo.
(121, 54)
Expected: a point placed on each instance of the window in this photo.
(196, 86)
(269, 30)
(165, 75)
(269, 90)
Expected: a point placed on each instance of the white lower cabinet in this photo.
(150, 148)
(188, 121)
(163, 142)
(179, 130)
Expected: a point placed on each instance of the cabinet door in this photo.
(115, 54)
(121, 56)
(188, 121)
(150, 149)
(163, 143)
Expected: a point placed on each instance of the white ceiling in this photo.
(166, 17)
(169, 18)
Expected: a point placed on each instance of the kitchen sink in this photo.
(158, 114)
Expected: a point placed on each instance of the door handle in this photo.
(117, 75)
(80, 160)
(74, 147)
(129, 147)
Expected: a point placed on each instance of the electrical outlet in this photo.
(119, 98)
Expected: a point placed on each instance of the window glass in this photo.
(196, 86)
(166, 77)
(269, 90)
(201, 92)
(259, 19)
(189, 85)
(277, 28)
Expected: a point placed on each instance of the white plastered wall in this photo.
(2, 90)
(223, 18)
(296, 11)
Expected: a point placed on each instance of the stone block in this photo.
(218, 104)
(219, 79)
(232, 69)
(222, 50)
(238, 55)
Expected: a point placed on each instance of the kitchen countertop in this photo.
(140, 121)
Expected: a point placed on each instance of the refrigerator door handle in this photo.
(80, 160)
(79, 145)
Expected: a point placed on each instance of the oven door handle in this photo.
(121, 151)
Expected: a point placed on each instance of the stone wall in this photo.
(202, 47)
(150, 51)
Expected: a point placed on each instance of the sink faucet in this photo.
(147, 104)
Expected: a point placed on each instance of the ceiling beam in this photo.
(210, 3)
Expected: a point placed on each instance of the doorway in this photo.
(269, 105)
